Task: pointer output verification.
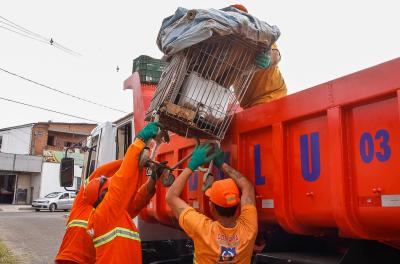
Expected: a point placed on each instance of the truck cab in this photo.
(108, 141)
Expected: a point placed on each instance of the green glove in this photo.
(149, 131)
(200, 156)
(218, 157)
(262, 60)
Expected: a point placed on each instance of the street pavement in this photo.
(34, 237)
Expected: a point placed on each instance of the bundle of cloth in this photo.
(186, 28)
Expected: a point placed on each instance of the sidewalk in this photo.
(15, 208)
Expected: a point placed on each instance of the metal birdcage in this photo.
(202, 87)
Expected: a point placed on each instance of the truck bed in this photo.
(324, 161)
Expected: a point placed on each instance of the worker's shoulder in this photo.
(248, 212)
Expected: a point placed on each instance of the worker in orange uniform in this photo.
(77, 246)
(227, 238)
(114, 234)
(267, 83)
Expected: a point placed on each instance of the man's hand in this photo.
(200, 156)
(263, 60)
(218, 156)
(149, 131)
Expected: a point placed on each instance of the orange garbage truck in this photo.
(324, 163)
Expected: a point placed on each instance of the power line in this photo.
(43, 40)
(14, 25)
(61, 47)
(22, 34)
(64, 93)
(46, 109)
(35, 36)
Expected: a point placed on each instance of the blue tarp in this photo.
(188, 27)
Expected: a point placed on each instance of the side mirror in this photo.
(67, 172)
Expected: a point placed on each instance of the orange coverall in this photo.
(77, 245)
(115, 236)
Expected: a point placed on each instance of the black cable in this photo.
(46, 109)
(23, 29)
(61, 47)
(64, 93)
(21, 34)
(35, 36)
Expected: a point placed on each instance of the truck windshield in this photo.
(52, 195)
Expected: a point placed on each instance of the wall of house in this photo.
(35, 183)
(62, 133)
(61, 138)
(16, 141)
(39, 138)
(50, 180)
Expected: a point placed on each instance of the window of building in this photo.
(50, 140)
(1, 141)
(67, 144)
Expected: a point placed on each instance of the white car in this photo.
(55, 201)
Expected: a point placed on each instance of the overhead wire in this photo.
(47, 109)
(62, 92)
(19, 33)
(35, 36)
(14, 25)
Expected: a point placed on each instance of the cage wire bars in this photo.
(202, 87)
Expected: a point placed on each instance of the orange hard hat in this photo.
(95, 187)
(224, 193)
(240, 7)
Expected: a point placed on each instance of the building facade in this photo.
(30, 155)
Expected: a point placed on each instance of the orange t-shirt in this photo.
(214, 243)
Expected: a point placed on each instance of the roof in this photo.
(125, 118)
(16, 127)
(66, 123)
(55, 123)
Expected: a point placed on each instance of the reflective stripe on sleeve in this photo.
(78, 223)
(116, 232)
(86, 182)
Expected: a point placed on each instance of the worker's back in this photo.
(119, 241)
(77, 245)
(215, 243)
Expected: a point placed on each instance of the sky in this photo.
(320, 41)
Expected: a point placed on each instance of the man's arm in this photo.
(174, 192)
(124, 183)
(245, 186)
(200, 156)
(142, 197)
